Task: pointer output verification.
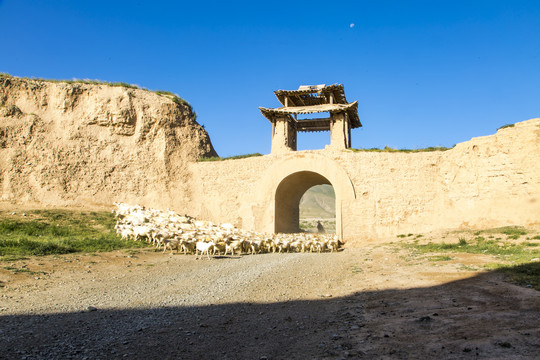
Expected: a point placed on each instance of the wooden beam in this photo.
(326, 119)
(291, 100)
(300, 100)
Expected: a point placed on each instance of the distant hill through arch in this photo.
(318, 204)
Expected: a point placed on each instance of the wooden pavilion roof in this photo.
(312, 95)
(310, 99)
(316, 124)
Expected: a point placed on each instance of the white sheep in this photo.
(140, 232)
(188, 235)
(204, 247)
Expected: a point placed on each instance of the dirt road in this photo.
(360, 303)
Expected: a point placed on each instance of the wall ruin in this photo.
(486, 182)
(90, 145)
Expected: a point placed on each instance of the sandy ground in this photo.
(367, 302)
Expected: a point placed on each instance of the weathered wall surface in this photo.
(77, 144)
(229, 190)
(485, 182)
(80, 144)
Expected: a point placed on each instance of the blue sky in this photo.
(425, 73)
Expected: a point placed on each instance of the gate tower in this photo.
(311, 99)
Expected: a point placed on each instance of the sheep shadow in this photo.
(479, 317)
(219, 257)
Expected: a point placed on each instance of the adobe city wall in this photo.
(486, 182)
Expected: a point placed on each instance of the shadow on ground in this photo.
(480, 317)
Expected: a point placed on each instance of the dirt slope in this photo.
(75, 144)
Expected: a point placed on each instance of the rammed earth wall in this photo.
(485, 182)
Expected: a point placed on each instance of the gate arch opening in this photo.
(287, 199)
(318, 210)
(293, 174)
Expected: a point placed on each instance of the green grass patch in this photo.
(505, 251)
(523, 274)
(468, 267)
(512, 230)
(89, 82)
(439, 258)
(47, 232)
(16, 270)
(390, 149)
(217, 158)
(506, 230)
(164, 92)
(506, 126)
(517, 261)
(13, 258)
(175, 98)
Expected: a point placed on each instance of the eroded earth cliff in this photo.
(84, 144)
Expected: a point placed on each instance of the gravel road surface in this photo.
(358, 303)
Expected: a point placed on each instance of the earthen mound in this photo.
(68, 144)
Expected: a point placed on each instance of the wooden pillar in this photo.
(347, 131)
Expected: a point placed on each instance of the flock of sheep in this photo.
(168, 230)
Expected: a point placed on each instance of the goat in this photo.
(171, 244)
(219, 247)
(233, 245)
(187, 246)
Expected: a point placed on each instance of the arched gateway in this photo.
(287, 180)
(287, 199)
